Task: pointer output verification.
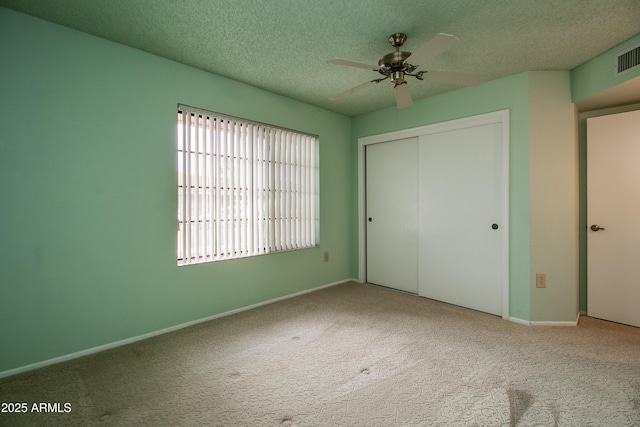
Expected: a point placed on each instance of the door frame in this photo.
(501, 117)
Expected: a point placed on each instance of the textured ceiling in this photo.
(282, 45)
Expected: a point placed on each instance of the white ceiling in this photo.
(282, 45)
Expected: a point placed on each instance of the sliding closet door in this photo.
(461, 217)
(391, 209)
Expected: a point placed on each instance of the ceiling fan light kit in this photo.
(396, 65)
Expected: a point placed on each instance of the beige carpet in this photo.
(350, 355)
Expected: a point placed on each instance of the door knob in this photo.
(494, 226)
(594, 227)
(370, 219)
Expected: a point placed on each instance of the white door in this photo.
(613, 209)
(391, 209)
(462, 248)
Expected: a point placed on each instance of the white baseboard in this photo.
(569, 323)
(545, 322)
(519, 321)
(551, 323)
(120, 343)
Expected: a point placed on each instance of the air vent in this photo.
(628, 60)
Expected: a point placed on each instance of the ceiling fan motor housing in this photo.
(393, 65)
(394, 60)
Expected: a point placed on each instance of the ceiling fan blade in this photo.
(403, 95)
(353, 90)
(432, 48)
(353, 64)
(452, 78)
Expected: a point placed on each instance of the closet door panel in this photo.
(392, 209)
(461, 217)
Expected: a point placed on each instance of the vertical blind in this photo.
(244, 188)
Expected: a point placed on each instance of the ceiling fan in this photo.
(400, 64)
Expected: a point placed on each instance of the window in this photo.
(244, 188)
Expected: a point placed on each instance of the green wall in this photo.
(87, 163)
(507, 93)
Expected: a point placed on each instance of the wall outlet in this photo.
(326, 256)
(541, 280)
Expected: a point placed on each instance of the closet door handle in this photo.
(494, 226)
